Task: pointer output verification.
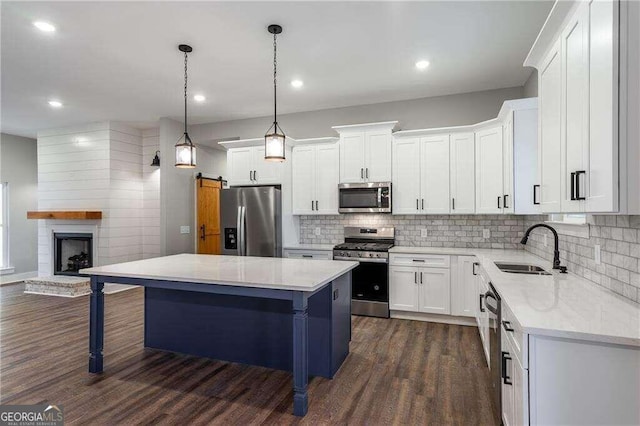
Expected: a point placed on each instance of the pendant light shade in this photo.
(185, 149)
(274, 140)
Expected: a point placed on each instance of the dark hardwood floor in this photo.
(398, 372)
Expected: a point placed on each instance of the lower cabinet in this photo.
(464, 289)
(482, 316)
(307, 254)
(515, 386)
(418, 289)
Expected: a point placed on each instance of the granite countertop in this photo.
(240, 271)
(321, 247)
(559, 305)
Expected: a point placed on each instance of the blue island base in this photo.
(251, 330)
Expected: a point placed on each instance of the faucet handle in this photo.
(563, 269)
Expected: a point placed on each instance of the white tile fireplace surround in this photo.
(46, 241)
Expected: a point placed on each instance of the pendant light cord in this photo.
(275, 81)
(185, 93)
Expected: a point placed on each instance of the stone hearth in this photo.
(67, 286)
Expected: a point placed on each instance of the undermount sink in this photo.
(521, 268)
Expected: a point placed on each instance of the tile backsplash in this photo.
(505, 231)
(618, 237)
(619, 240)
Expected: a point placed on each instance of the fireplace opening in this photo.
(72, 252)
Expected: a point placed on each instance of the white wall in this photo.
(96, 166)
(451, 110)
(151, 194)
(19, 167)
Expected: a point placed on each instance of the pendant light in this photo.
(274, 139)
(185, 149)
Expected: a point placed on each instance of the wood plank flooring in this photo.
(399, 372)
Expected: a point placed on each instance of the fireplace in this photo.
(72, 252)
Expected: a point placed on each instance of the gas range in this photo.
(370, 279)
(365, 244)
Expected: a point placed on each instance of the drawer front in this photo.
(308, 254)
(513, 332)
(421, 260)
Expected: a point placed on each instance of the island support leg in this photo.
(300, 353)
(96, 325)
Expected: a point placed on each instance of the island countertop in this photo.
(240, 271)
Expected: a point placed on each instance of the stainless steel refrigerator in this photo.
(251, 223)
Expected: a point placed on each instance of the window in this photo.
(4, 229)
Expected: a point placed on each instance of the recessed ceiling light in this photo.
(55, 104)
(199, 98)
(422, 65)
(44, 26)
(297, 83)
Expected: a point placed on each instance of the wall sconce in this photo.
(156, 160)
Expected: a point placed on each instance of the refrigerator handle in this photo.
(244, 231)
(239, 230)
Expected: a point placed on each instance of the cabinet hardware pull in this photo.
(255, 175)
(573, 186)
(361, 173)
(505, 377)
(419, 260)
(453, 203)
(307, 255)
(250, 174)
(420, 277)
(481, 298)
(415, 278)
(367, 173)
(417, 205)
(474, 268)
(505, 201)
(578, 173)
(316, 205)
(423, 204)
(535, 199)
(507, 326)
(499, 197)
(202, 235)
(311, 204)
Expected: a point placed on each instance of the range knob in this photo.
(370, 254)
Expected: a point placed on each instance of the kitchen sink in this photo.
(521, 268)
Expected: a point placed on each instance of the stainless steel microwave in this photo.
(371, 197)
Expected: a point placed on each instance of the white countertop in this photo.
(560, 305)
(239, 271)
(320, 247)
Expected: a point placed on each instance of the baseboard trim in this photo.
(15, 278)
(444, 319)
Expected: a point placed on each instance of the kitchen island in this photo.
(287, 314)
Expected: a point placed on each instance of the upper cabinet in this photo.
(462, 167)
(587, 61)
(315, 174)
(246, 164)
(489, 172)
(365, 152)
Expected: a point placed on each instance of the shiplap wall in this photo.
(96, 166)
(151, 194)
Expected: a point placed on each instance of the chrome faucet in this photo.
(556, 250)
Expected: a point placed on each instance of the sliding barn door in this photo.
(208, 205)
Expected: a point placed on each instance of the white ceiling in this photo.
(119, 61)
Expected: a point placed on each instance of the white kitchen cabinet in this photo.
(580, 78)
(482, 316)
(464, 289)
(420, 288)
(421, 175)
(315, 173)
(403, 288)
(434, 286)
(311, 254)
(508, 205)
(506, 383)
(247, 166)
(434, 175)
(462, 173)
(406, 176)
(489, 173)
(365, 152)
(549, 194)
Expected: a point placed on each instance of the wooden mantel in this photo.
(65, 215)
